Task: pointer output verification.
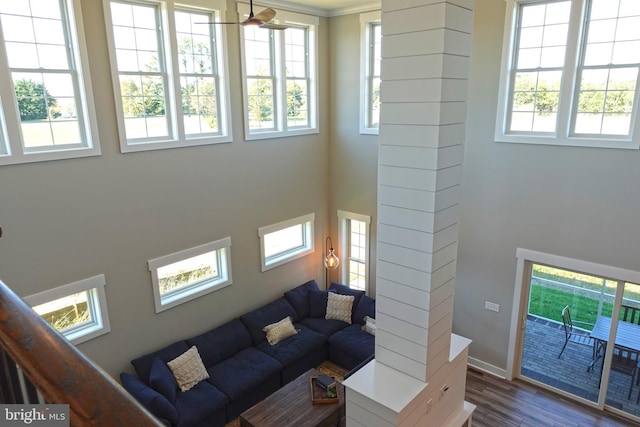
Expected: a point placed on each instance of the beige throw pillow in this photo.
(339, 307)
(188, 369)
(278, 331)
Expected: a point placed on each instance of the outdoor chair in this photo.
(630, 314)
(575, 336)
(624, 361)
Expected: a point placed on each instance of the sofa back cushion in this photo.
(142, 364)
(366, 307)
(298, 297)
(161, 379)
(222, 342)
(318, 303)
(273, 312)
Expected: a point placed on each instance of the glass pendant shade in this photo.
(331, 261)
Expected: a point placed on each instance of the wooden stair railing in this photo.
(55, 372)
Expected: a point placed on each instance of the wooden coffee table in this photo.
(292, 406)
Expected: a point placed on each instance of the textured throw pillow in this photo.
(339, 307)
(278, 331)
(369, 325)
(188, 369)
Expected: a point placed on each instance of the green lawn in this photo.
(548, 302)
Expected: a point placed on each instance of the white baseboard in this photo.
(486, 367)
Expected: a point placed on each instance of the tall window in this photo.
(77, 310)
(46, 110)
(183, 276)
(286, 241)
(354, 238)
(371, 61)
(279, 68)
(168, 74)
(570, 76)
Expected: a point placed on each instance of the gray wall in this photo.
(353, 164)
(581, 203)
(72, 219)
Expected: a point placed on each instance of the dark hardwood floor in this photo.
(503, 403)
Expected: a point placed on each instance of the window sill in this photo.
(624, 144)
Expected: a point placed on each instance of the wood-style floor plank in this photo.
(502, 403)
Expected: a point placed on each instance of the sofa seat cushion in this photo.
(326, 327)
(295, 347)
(243, 372)
(354, 341)
(199, 403)
(273, 312)
(298, 297)
(155, 402)
(222, 342)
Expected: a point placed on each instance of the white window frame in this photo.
(344, 219)
(366, 70)
(310, 23)
(12, 149)
(97, 306)
(568, 88)
(308, 247)
(198, 289)
(170, 69)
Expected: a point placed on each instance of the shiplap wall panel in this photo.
(419, 200)
(425, 90)
(419, 179)
(426, 17)
(409, 366)
(421, 158)
(404, 293)
(409, 331)
(426, 136)
(423, 113)
(407, 4)
(403, 346)
(419, 220)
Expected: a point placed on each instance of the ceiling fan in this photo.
(261, 19)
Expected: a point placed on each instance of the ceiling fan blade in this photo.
(266, 15)
(272, 26)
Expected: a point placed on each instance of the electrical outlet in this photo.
(492, 306)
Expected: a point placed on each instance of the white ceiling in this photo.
(323, 7)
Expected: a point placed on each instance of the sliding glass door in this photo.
(580, 334)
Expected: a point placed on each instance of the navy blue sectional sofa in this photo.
(243, 367)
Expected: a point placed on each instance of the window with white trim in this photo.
(569, 73)
(46, 104)
(370, 65)
(189, 274)
(77, 310)
(286, 241)
(279, 76)
(168, 73)
(354, 239)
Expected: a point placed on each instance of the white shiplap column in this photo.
(426, 47)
